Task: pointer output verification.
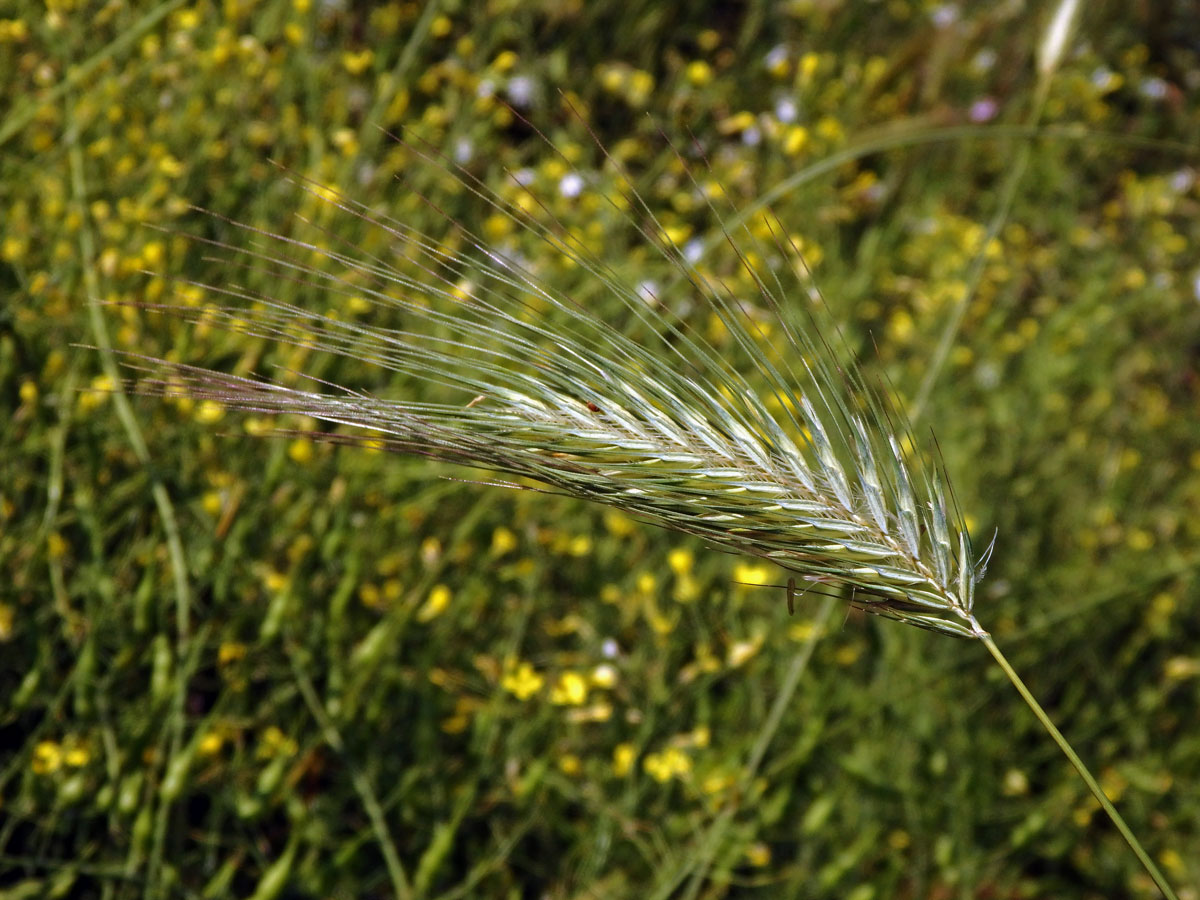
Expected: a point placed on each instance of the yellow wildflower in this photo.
(580, 545)
(758, 854)
(808, 65)
(680, 560)
(56, 545)
(346, 140)
(1173, 862)
(901, 326)
(75, 753)
(740, 652)
(848, 654)
(230, 652)
(275, 581)
(209, 412)
(171, 167)
(275, 743)
(522, 681)
(699, 73)
(803, 631)
(435, 604)
(795, 139)
(597, 712)
(620, 525)
(101, 387)
(571, 690)
(1016, 783)
(301, 451)
(830, 129)
(357, 63)
(736, 123)
(671, 763)
(431, 551)
(1181, 667)
(13, 31)
(604, 676)
(751, 573)
(503, 541)
(623, 757)
(1139, 539)
(47, 758)
(210, 744)
(641, 84)
(718, 782)
(687, 589)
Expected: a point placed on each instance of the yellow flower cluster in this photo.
(50, 756)
(667, 764)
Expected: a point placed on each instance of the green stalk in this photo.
(1094, 786)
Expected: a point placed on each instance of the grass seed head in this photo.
(530, 383)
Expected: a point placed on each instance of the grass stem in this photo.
(1084, 772)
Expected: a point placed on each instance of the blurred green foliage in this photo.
(351, 677)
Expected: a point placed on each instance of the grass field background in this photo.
(235, 666)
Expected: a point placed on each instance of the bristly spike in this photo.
(799, 464)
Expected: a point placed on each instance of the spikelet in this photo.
(806, 466)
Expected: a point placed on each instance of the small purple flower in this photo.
(463, 151)
(984, 60)
(522, 91)
(1181, 180)
(1154, 88)
(983, 110)
(946, 15)
(786, 110)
